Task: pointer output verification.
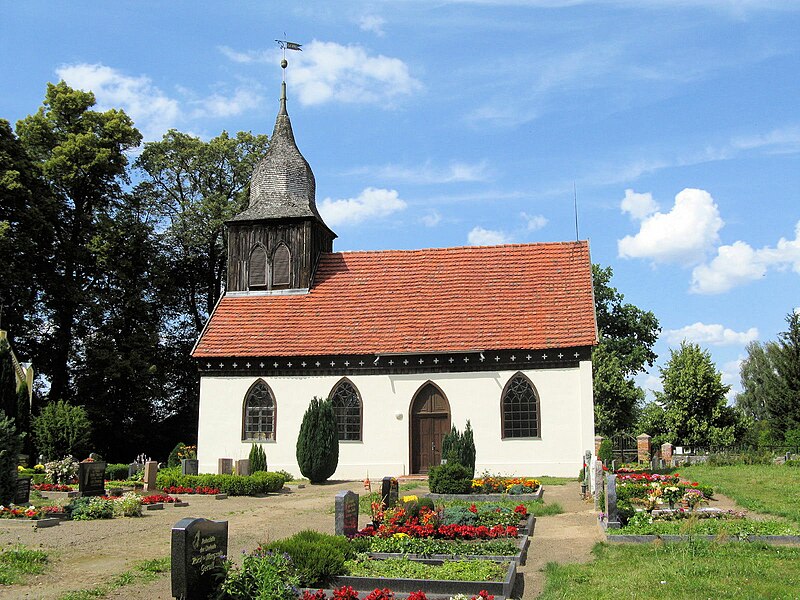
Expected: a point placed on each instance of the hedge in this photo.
(233, 485)
(116, 471)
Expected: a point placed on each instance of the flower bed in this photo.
(348, 593)
(403, 546)
(159, 499)
(200, 490)
(23, 516)
(52, 487)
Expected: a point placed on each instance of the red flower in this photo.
(384, 594)
(521, 510)
(417, 596)
(318, 595)
(345, 592)
(483, 595)
(473, 508)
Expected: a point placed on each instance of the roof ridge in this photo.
(466, 247)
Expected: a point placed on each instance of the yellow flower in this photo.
(411, 498)
(20, 468)
(399, 536)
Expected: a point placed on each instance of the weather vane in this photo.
(286, 45)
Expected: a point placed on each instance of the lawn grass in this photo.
(547, 480)
(688, 570)
(142, 572)
(760, 488)
(18, 561)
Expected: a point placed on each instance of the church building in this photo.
(405, 343)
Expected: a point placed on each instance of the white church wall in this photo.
(566, 408)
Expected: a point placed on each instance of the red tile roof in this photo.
(526, 296)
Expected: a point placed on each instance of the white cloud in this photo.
(372, 23)
(534, 222)
(487, 237)
(331, 72)
(682, 235)
(427, 173)
(245, 57)
(152, 111)
(739, 263)
(638, 206)
(731, 375)
(713, 334)
(371, 203)
(432, 219)
(219, 105)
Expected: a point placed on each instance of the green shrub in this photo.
(62, 429)
(318, 442)
(286, 475)
(426, 502)
(90, 508)
(317, 557)
(606, 451)
(233, 485)
(10, 445)
(263, 575)
(174, 460)
(459, 515)
(258, 459)
(460, 447)
(116, 471)
(452, 478)
(130, 505)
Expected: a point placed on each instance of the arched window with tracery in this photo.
(281, 261)
(259, 413)
(520, 409)
(257, 272)
(347, 407)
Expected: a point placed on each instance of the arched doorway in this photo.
(430, 422)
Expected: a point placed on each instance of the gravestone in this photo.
(190, 466)
(92, 478)
(225, 466)
(243, 466)
(612, 516)
(346, 513)
(199, 548)
(133, 469)
(23, 492)
(150, 472)
(390, 490)
(599, 474)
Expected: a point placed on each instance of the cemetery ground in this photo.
(105, 559)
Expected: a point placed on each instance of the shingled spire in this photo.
(275, 243)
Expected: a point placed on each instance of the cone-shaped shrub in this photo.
(318, 442)
(258, 459)
(10, 445)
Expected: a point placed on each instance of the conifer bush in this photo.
(10, 446)
(318, 442)
(174, 460)
(258, 459)
(459, 448)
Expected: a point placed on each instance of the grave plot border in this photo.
(619, 538)
(59, 495)
(499, 589)
(34, 523)
(537, 495)
(519, 558)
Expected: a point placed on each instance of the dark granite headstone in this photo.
(23, 493)
(346, 513)
(190, 466)
(390, 490)
(612, 515)
(199, 548)
(133, 469)
(92, 478)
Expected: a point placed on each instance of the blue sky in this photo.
(432, 124)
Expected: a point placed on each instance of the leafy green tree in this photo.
(759, 380)
(626, 338)
(694, 402)
(10, 445)
(62, 429)
(81, 156)
(8, 381)
(318, 442)
(652, 421)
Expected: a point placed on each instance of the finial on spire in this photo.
(285, 45)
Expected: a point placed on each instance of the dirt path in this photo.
(86, 554)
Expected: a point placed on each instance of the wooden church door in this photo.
(430, 422)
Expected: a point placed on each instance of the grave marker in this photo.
(612, 516)
(150, 472)
(346, 513)
(92, 478)
(390, 490)
(225, 466)
(243, 466)
(23, 492)
(190, 466)
(598, 482)
(198, 550)
(133, 469)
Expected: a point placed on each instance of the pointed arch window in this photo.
(257, 274)
(347, 408)
(259, 413)
(520, 409)
(280, 267)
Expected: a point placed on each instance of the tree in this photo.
(770, 378)
(626, 338)
(81, 156)
(23, 420)
(258, 458)
(10, 446)
(318, 442)
(62, 429)
(695, 409)
(8, 381)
